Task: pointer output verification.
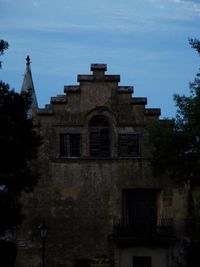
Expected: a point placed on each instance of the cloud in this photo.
(183, 8)
(195, 1)
(183, 1)
(127, 17)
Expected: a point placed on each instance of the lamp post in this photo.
(43, 235)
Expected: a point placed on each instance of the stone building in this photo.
(96, 192)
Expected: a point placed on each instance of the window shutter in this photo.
(69, 145)
(128, 145)
(99, 137)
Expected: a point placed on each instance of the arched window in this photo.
(99, 137)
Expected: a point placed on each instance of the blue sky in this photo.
(145, 41)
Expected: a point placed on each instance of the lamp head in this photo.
(43, 231)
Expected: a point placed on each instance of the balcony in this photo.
(143, 232)
(193, 227)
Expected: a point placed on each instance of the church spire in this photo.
(28, 86)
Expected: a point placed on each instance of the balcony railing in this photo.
(145, 230)
(193, 227)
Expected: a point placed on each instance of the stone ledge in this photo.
(126, 89)
(84, 78)
(153, 112)
(71, 89)
(66, 160)
(59, 99)
(139, 101)
(106, 78)
(98, 67)
(112, 78)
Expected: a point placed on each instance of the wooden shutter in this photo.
(128, 145)
(69, 145)
(99, 137)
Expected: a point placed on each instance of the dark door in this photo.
(140, 208)
(142, 261)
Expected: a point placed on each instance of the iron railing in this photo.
(143, 229)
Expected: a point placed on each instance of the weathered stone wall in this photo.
(79, 198)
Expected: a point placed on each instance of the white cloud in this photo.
(195, 1)
(183, 8)
(123, 17)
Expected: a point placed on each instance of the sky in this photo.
(145, 41)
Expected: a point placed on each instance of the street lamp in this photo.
(43, 235)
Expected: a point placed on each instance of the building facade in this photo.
(96, 192)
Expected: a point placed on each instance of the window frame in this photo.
(124, 150)
(67, 142)
(140, 206)
(98, 134)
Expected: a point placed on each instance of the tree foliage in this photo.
(3, 46)
(18, 143)
(176, 142)
(176, 153)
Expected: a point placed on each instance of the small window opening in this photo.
(128, 145)
(69, 145)
(99, 137)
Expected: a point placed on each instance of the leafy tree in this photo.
(176, 142)
(176, 153)
(3, 46)
(18, 143)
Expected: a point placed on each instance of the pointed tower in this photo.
(28, 86)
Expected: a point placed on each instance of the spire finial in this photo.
(27, 85)
(27, 60)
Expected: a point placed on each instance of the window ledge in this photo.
(65, 159)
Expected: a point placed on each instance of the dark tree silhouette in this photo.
(176, 153)
(18, 143)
